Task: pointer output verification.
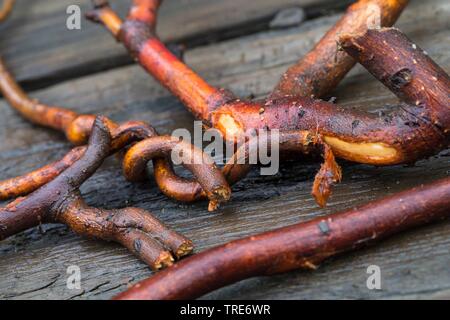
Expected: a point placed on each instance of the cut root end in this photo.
(329, 174)
(164, 260)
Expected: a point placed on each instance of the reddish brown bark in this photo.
(209, 177)
(145, 11)
(321, 70)
(27, 183)
(289, 142)
(6, 9)
(60, 201)
(300, 246)
(410, 133)
(49, 116)
(407, 70)
(77, 129)
(420, 128)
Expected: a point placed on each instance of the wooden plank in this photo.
(414, 264)
(38, 46)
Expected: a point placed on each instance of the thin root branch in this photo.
(60, 201)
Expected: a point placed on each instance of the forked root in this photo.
(302, 142)
(202, 166)
(60, 201)
(321, 70)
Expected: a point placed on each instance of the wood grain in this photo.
(414, 265)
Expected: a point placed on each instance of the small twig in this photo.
(300, 246)
(105, 15)
(77, 129)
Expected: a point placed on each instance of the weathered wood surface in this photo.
(41, 49)
(414, 265)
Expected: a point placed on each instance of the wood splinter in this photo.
(60, 201)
